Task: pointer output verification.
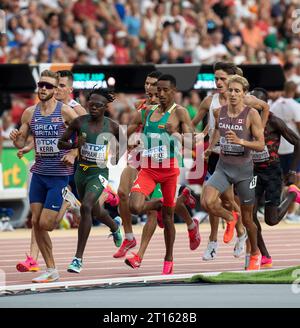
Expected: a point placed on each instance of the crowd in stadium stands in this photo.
(156, 31)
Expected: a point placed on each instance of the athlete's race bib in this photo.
(158, 153)
(261, 156)
(94, 153)
(46, 146)
(229, 149)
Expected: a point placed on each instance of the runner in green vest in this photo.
(95, 134)
(159, 162)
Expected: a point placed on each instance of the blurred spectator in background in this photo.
(7, 125)
(169, 31)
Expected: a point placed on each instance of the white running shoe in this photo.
(68, 196)
(211, 251)
(50, 275)
(6, 225)
(239, 246)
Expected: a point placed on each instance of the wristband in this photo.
(292, 172)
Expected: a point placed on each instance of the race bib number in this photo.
(229, 149)
(46, 146)
(103, 181)
(157, 153)
(261, 156)
(253, 183)
(94, 153)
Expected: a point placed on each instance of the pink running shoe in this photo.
(113, 198)
(266, 263)
(135, 261)
(30, 264)
(294, 188)
(194, 236)
(190, 200)
(124, 248)
(168, 267)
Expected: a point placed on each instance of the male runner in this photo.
(129, 174)
(239, 129)
(223, 71)
(95, 134)
(159, 163)
(267, 169)
(153, 218)
(47, 122)
(63, 93)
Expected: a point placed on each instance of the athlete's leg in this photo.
(168, 188)
(231, 203)
(181, 210)
(34, 248)
(210, 201)
(103, 216)
(88, 202)
(143, 186)
(148, 231)
(128, 176)
(246, 193)
(47, 223)
(260, 241)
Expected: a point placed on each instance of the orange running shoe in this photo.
(229, 232)
(135, 261)
(254, 263)
(30, 264)
(168, 267)
(124, 248)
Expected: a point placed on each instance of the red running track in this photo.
(283, 242)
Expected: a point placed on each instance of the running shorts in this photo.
(92, 179)
(241, 176)
(47, 190)
(269, 182)
(148, 178)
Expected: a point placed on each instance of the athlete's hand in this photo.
(14, 135)
(69, 159)
(21, 152)
(207, 153)
(232, 137)
(170, 128)
(199, 137)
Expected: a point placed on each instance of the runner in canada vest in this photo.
(239, 129)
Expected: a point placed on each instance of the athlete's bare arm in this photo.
(20, 136)
(290, 136)
(257, 130)
(136, 122)
(258, 104)
(79, 110)
(73, 127)
(215, 136)
(203, 110)
(68, 114)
